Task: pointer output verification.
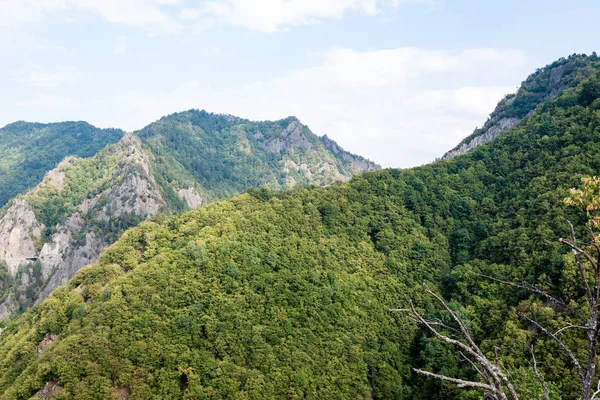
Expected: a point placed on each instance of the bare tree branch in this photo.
(459, 382)
(480, 372)
(436, 322)
(578, 250)
(597, 392)
(461, 325)
(539, 377)
(570, 326)
(490, 372)
(557, 340)
(535, 290)
(595, 243)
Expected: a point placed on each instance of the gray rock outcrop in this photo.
(487, 136)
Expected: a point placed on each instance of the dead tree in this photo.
(589, 274)
(494, 381)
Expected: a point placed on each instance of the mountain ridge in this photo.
(539, 87)
(179, 162)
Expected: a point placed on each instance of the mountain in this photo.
(219, 156)
(29, 150)
(175, 164)
(285, 294)
(537, 89)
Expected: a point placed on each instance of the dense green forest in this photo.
(285, 295)
(222, 155)
(29, 150)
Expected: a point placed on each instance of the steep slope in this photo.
(177, 163)
(537, 89)
(285, 295)
(29, 150)
(66, 221)
(219, 156)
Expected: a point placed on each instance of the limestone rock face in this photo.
(132, 195)
(19, 231)
(490, 134)
(48, 391)
(359, 163)
(8, 306)
(191, 197)
(289, 138)
(135, 193)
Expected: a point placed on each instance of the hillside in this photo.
(178, 163)
(29, 150)
(272, 295)
(220, 156)
(538, 88)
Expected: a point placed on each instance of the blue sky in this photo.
(398, 81)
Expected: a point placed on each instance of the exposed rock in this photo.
(191, 197)
(45, 343)
(8, 306)
(135, 193)
(487, 136)
(291, 166)
(67, 258)
(19, 230)
(49, 390)
(330, 169)
(291, 137)
(122, 393)
(360, 164)
(56, 177)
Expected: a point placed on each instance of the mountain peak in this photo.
(541, 86)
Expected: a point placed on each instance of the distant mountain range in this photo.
(81, 205)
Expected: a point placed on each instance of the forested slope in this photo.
(29, 150)
(178, 163)
(273, 295)
(220, 156)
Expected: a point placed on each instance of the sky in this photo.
(397, 81)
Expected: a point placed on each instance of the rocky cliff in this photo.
(181, 162)
(538, 88)
(128, 195)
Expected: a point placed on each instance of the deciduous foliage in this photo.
(29, 150)
(273, 295)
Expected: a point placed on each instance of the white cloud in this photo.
(380, 104)
(479, 100)
(190, 14)
(37, 76)
(172, 16)
(49, 101)
(270, 15)
(150, 15)
(121, 45)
